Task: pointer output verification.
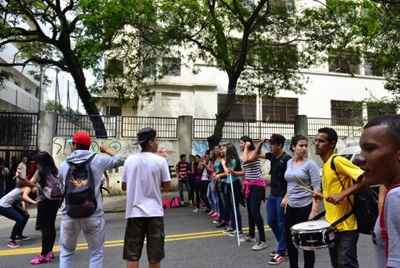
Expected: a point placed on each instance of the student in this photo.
(197, 171)
(83, 170)
(380, 151)
(254, 190)
(143, 175)
(299, 204)
(231, 166)
(205, 180)
(182, 169)
(344, 251)
(50, 195)
(10, 210)
(275, 213)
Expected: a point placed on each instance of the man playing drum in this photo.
(344, 252)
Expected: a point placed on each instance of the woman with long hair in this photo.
(254, 190)
(231, 165)
(212, 193)
(299, 204)
(197, 171)
(220, 182)
(50, 198)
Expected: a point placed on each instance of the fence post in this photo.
(185, 134)
(46, 130)
(301, 125)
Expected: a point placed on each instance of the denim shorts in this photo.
(137, 229)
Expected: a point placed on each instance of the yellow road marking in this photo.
(116, 243)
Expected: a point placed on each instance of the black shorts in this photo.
(137, 229)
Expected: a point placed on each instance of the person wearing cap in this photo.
(143, 175)
(92, 226)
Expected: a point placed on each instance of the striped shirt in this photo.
(252, 170)
(183, 170)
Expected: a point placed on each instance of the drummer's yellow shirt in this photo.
(348, 173)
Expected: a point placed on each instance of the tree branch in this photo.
(39, 30)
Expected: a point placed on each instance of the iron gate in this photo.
(18, 135)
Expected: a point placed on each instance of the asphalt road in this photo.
(192, 241)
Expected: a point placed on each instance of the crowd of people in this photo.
(222, 181)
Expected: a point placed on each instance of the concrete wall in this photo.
(125, 147)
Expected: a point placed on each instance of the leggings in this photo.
(254, 199)
(47, 212)
(293, 216)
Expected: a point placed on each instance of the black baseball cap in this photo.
(145, 134)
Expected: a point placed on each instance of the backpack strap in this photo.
(344, 217)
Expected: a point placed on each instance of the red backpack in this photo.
(175, 202)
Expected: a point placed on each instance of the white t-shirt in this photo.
(143, 174)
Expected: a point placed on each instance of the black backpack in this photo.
(80, 197)
(365, 206)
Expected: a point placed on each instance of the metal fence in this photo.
(350, 128)
(233, 130)
(166, 127)
(123, 126)
(67, 124)
(19, 131)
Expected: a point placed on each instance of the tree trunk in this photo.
(84, 94)
(216, 137)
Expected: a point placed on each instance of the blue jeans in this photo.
(212, 196)
(19, 216)
(276, 220)
(94, 232)
(344, 253)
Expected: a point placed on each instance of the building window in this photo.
(113, 110)
(171, 66)
(282, 7)
(346, 113)
(244, 108)
(114, 67)
(279, 110)
(372, 66)
(150, 68)
(344, 62)
(377, 108)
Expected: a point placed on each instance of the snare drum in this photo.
(311, 235)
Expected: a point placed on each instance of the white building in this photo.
(331, 92)
(20, 91)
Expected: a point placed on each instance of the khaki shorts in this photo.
(137, 229)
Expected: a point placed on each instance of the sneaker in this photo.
(39, 260)
(12, 244)
(228, 230)
(196, 210)
(211, 212)
(273, 253)
(215, 222)
(22, 238)
(50, 256)
(247, 238)
(233, 233)
(259, 246)
(221, 225)
(276, 260)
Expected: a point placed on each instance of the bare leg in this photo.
(133, 264)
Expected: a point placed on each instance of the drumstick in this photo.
(310, 191)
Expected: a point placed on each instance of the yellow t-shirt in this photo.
(348, 173)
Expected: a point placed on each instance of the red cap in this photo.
(82, 138)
